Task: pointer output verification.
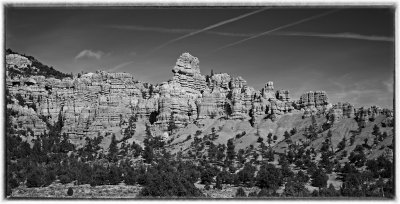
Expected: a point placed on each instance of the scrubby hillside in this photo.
(26, 66)
(193, 136)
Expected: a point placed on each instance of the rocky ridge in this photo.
(97, 103)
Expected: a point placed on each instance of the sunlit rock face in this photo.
(268, 91)
(313, 102)
(187, 72)
(101, 102)
(176, 105)
(342, 110)
(364, 115)
(17, 61)
(220, 80)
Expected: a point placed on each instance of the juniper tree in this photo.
(113, 149)
(342, 144)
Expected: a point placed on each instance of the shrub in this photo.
(207, 176)
(246, 175)
(100, 175)
(253, 194)
(319, 179)
(8, 190)
(218, 183)
(35, 178)
(240, 192)
(70, 192)
(293, 131)
(266, 193)
(64, 179)
(114, 175)
(239, 135)
(295, 188)
(130, 178)
(12, 182)
(287, 135)
(165, 181)
(198, 132)
(269, 177)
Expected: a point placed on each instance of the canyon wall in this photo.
(98, 103)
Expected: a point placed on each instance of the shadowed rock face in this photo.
(98, 102)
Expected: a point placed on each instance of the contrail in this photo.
(275, 29)
(174, 30)
(153, 29)
(120, 66)
(353, 36)
(208, 28)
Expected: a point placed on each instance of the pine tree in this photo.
(342, 144)
(312, 129)
(148, 154)
(130, 130)
(269, 136)
(218, 182)
(376, 131)
(293, 131)
(113, 149)
(240, 192)
(319, 179)
(230, 150)
(329, 135)
(286, 135)
(269, 177)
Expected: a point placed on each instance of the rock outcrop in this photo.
(101, 102)
(187, 72)
(313, 102)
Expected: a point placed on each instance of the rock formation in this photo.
(94, 103)
(313, 102)
(187, 72)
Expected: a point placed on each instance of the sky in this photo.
(348, 52)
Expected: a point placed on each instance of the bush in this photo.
(64, 179)
(240, 192)
(36, 178)
(260, 140)
(295, 188)
(266, 193)
(319, 179)
(8, 190)
(100, 175)
(253, 194)
(130, 178)
(164, 180)
(198, 132)
(114, 175)
(218, 183)
(269, 177)
(70, 192)
(246, 175)
(12, 182)
(207, 175)
(239, 135)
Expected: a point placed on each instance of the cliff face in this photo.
(101, 102)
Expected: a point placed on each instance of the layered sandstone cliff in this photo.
(102, 102)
